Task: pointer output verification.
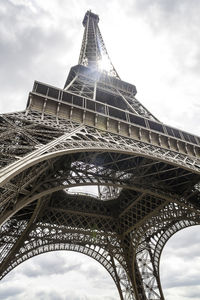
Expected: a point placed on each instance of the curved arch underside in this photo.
(145, 195)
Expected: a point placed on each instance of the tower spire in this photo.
(93, 52)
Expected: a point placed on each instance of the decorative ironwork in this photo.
(146, 175)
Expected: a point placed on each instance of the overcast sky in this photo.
(152, 44)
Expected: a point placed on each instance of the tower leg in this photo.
(136, 285)
(17, 232)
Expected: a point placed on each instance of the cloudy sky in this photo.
(154, 44)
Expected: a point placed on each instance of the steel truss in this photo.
(145, 191)
(125, 231)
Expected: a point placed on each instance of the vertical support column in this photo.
(149, 274)
(122, 278)
(155, 272)
(117, 279)
(125, 283)
(132, 269)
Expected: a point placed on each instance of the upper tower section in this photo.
(93, 52)
(95, 76)
(94, 95)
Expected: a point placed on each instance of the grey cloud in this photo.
(166, 12)
(6, 292)
(50, 265)
(27, 47)
(181, 281)
(103, 283)
(192, 294)
(98, 277)
(181, 274)
(65, 296)
(49, 296)
(93, 273)
(184, 239)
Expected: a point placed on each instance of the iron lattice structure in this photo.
(95, 133)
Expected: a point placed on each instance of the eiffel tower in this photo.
(88, 168)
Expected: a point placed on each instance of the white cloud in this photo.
(59, 275)
(180, 265)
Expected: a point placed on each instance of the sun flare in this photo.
(104, 64)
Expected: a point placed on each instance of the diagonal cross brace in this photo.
(14, 168)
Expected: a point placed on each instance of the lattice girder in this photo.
(90, 139)
(47, 235)
(143, 186)
(104, 175)
(128, 207)
(151, 283)
(55, 175)
(150, 238)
